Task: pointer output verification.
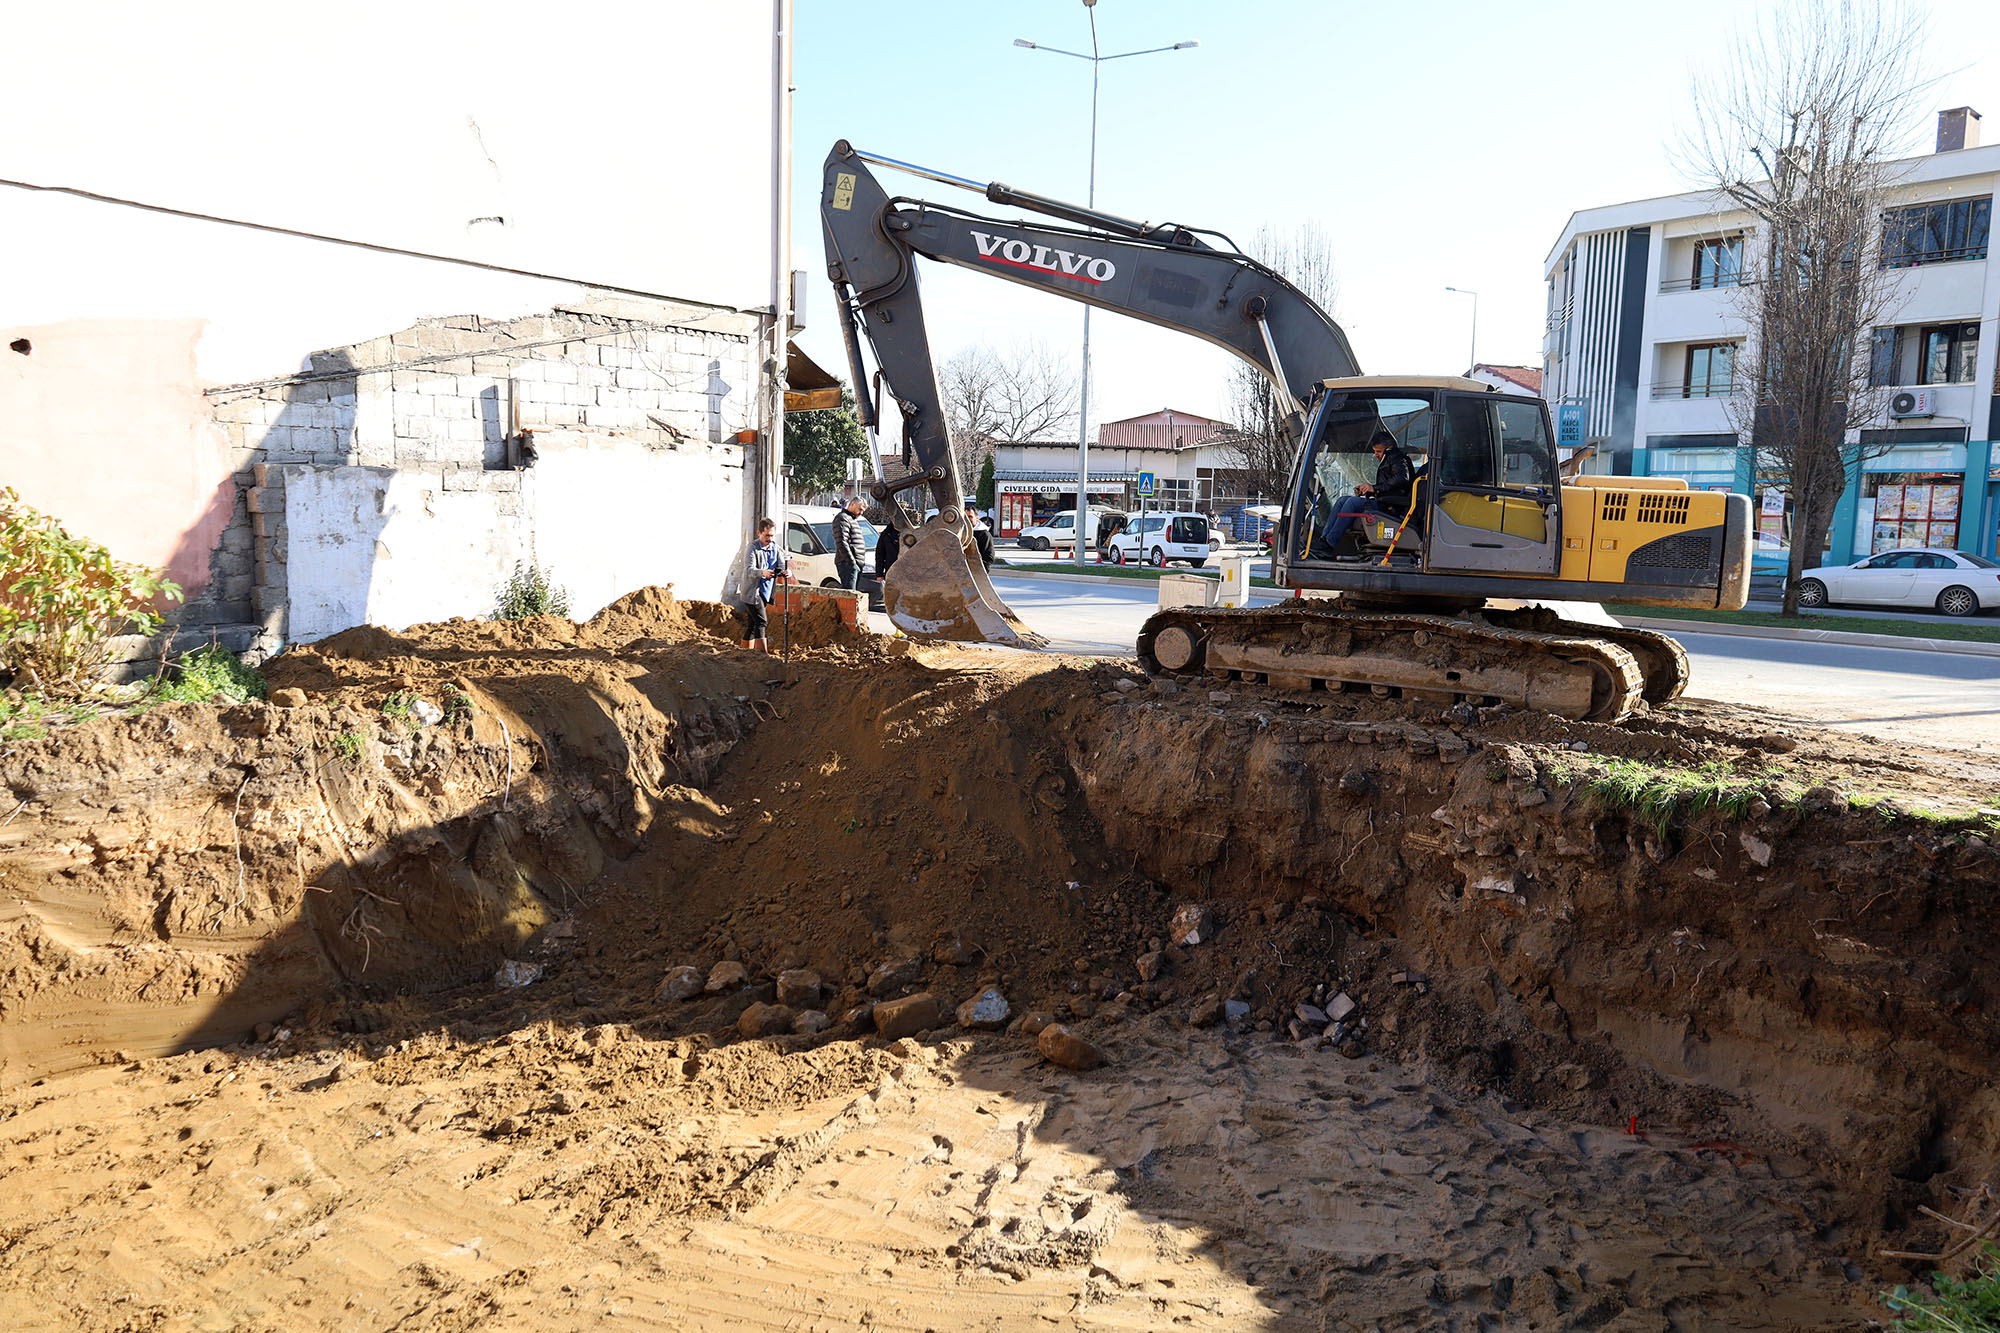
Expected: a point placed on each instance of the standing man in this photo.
(982, 536)
(765, 564)
(850, 544)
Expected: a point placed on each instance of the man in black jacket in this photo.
(850, 543)
(1388, 496)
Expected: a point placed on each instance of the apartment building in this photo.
(1650, 303)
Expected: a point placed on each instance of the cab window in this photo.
(1348, 424)
(799, 539)
(1492, 443)
(1524, 446)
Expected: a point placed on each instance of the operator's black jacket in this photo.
(1393, 480)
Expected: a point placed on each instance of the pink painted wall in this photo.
(103, 425)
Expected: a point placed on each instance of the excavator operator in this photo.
(1388, 495)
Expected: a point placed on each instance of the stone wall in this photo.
(413, 460)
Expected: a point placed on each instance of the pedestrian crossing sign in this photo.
(1147, 484)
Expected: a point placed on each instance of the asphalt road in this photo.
(1947, 699)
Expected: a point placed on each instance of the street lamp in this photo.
(1474, 353)
(1096, 58)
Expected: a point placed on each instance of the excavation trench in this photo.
(1767, 1025)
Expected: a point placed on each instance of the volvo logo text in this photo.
(1020, 254)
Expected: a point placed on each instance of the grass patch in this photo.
(1661, 797)
(400, 705)
(1970, 1304)
(29, 717)
(209, 675)
(1118, 571)
(1943, 627)
(348, 745)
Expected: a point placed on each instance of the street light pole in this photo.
(1473, 355)
(1096, 59)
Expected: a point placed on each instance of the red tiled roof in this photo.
(1528, 377)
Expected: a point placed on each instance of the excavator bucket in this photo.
(938, 589)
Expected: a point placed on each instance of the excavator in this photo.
(1432, 602)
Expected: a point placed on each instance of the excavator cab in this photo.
(1483, 497)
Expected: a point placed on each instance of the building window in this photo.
(1949, 353)
(1717, 263)
(1935, 233)
(1885, 354)
(1710, 371)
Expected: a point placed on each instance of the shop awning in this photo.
(807, 387)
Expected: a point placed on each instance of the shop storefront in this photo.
(1912, 495)
(1022, 502)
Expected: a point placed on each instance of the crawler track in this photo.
(1662, 660)
(1579, 671)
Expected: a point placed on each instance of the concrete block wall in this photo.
(458, 407)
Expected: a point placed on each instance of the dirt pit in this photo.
(366, 1011)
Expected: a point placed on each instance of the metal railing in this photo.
(1711, 282)
(1710, 389)
(1916, 260)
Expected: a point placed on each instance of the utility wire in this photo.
(307, 377)
(274, 229)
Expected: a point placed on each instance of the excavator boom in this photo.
(1163, 274)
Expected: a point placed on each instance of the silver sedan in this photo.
(1954, 582)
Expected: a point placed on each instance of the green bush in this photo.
(209, 675)
(530, 591)
(62, 599)
(1969, 1304)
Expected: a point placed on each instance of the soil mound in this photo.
(1493, 977)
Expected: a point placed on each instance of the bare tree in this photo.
(1257, 450)
(1798, 129)
(1025, 393)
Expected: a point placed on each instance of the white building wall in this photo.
(631, 147)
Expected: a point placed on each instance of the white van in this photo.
(1059, 533)
(808, 536)
(1161, 538)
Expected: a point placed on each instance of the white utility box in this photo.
(1186, 590)
(1234, 589)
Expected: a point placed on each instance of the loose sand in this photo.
(1603, 1071)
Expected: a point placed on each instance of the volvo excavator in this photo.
(1422, 602)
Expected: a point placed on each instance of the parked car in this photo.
(1160, 539)
(809, 538)
(1953, 582)
(1059, 533)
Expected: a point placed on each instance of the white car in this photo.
(1059, 533)
(808, 536)
(1954, 582)
(1159, 539)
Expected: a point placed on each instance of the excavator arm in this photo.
(1161, 273)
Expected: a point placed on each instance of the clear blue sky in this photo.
(1440, 144)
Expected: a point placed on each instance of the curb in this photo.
(1849, 638)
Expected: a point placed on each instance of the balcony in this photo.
(1707, 284)
(1711, 389)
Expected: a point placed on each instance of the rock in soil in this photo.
(681, 984)
(986, 1011)
(893, 976)
(908, 1016)
(765, 1020)
(1061, 1046)
(798, 987)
